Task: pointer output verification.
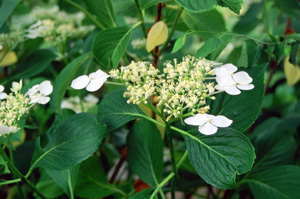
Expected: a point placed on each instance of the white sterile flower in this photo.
(208, 124)
(39, 93)
(2, 94)
(1, 47)
(92, 82)
(231, 82)
(6, 130)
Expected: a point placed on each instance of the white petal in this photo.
(80, 82)
(99, 74)
(232, 90)
(33, 90)
(220, 88)
(46, 88)
(6, 130)
(221, 121)
(208, 129)
(196, 120)
(43, 100)
(242, 78)
(94, 85)
(220, 71)
(230, 68)
(225, 80)
(245, 86)
(1, 88)
(3, 96)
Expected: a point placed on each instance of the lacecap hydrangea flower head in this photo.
(15, 105)
(181, 89)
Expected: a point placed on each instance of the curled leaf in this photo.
(292, 72)
(8, 58)
(158, 34)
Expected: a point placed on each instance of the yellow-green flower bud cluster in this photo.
(12, 109)
(9, 41)
(140, 79)
(180, 87)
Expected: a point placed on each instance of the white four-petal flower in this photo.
(231, 82)
(2, 94)
(208, 124)
(39, 93)
(92, 82)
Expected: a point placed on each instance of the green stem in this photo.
(7, 140)
(70, 185)
(88, 14)
(18, 173)
(170, 143)
(172, 30)
(113, 83)
(137, 3)
(10, 182)
(170, 176)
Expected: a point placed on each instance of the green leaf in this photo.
(34, 64)
(294, 52)
(74, 141)
(197, 6)
(253, 52)
(63, 81)
(179, 43)
(6, 9)
(273, 144)
(109, 45)
(249, 20)
(47, 187)
(145, 194)
(205, 24)
(234, 5)
(226, 38)
(290, 8)
(92, 181)
(220, 157)
(281, 182)
(243, 109)
(209, 46)
(103, 10)
(148, 3)
(115, 112)
(145, 152)
(64, 178)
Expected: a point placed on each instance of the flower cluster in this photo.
(15, 104)
(180, 89)
(10, 40)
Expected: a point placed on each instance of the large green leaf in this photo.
(6, 8)
(220, 157)
(281, 182)
(115, 112)
(109, 45)
(243, 109)
(145, 194)
(64, 79)
(34, 64)
(103, 10)
(291, 8)
(92, 181)
(249, 20)
(205, 24)
(274, 146)
(196, 5)
(145, 152)
(47, 187)
(64, 178)
(209, 46)
(226, 38)
(148, 3)
(74, 141)
(234, 5)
